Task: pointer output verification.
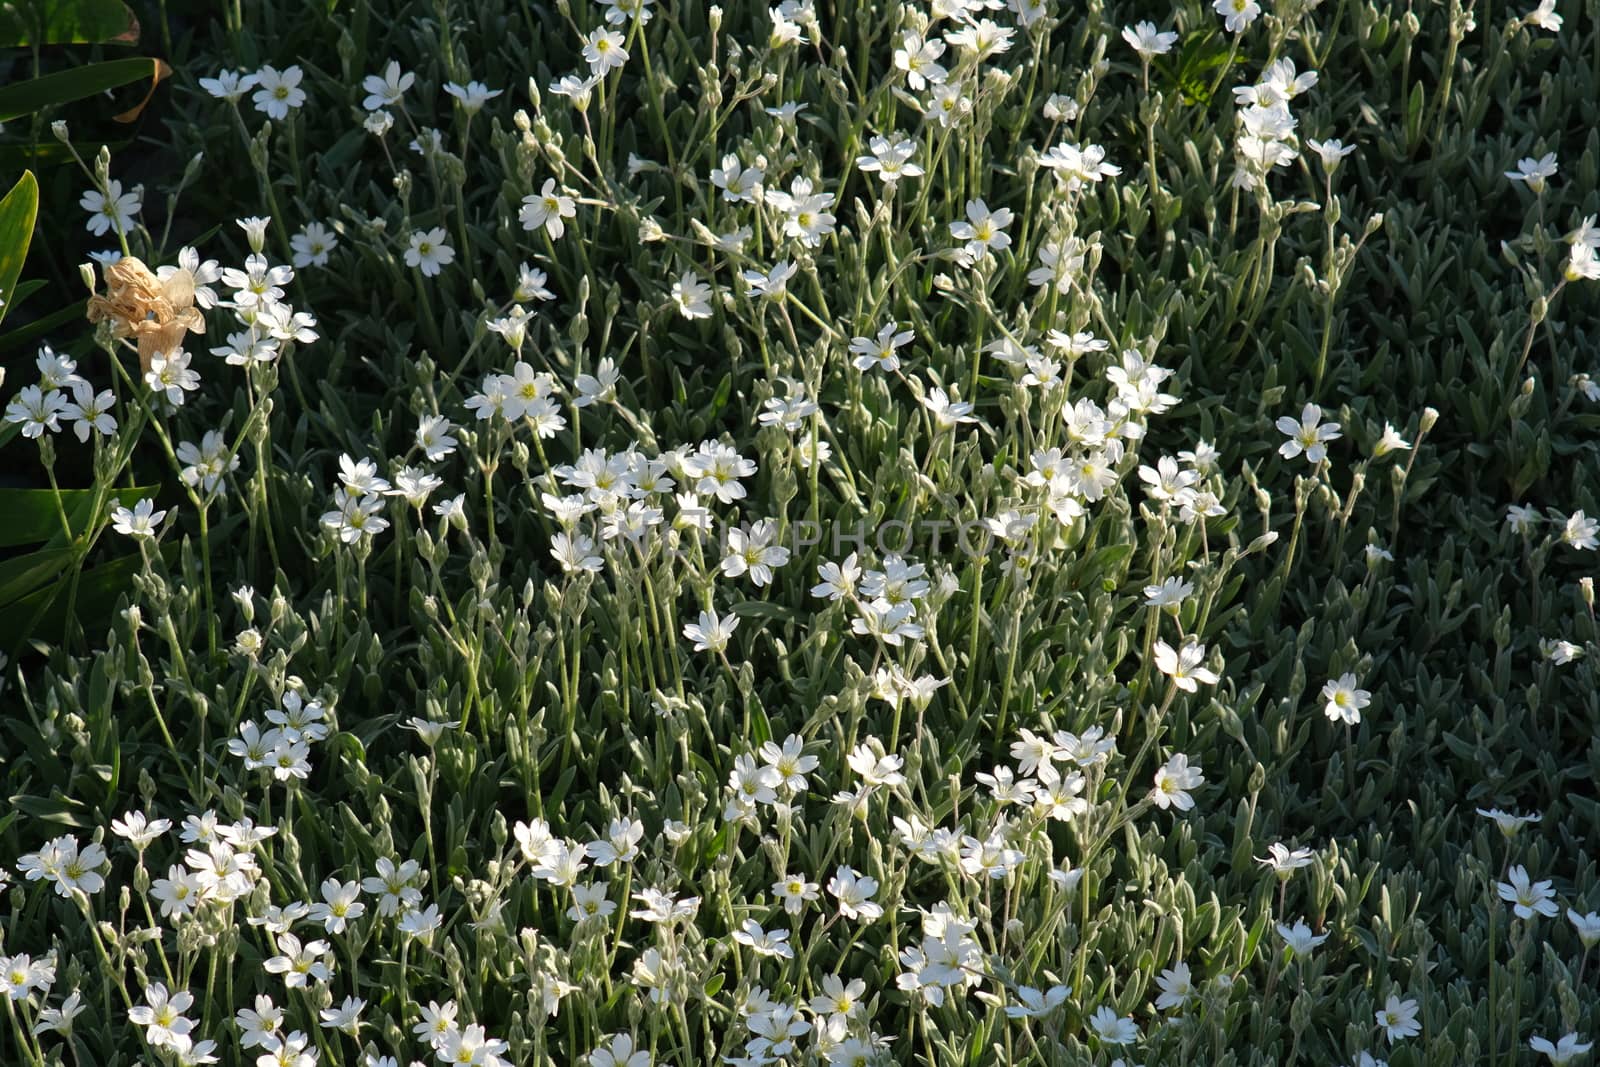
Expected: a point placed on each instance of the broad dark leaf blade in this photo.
(24, 23)
(37, 94)
(17, 213)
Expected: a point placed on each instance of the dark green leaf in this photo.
(32, 515)
(29, 22)
(36, 94)
(17, 213)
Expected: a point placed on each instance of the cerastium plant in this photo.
(951, 533)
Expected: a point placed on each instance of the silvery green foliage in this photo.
(954, 533)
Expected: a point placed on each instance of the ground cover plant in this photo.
(654, 533)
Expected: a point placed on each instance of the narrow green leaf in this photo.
(15, 156)
(35, 94)
(25, 290)
(17, 213)
(31, 515)
(26, 335)
(24, 574)
(97, 593)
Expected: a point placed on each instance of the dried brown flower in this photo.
(154, 312)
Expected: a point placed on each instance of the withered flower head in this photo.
(155, 313)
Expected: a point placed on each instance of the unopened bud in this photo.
(1262, 543)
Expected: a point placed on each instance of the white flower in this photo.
(1580, 531)
(1534, 172)
(1588, 927)
(420, 924)
(1176, 987)
(753, 553)
(1583, 264)
(1173, 782)
(1559, 652)
(603, 51)
(141, 521)
(300, 964)
(1343, 701)
(619, 1051)
(880, 353)
(948, 412)
(575, 89)
(918, 60)
(1145, 39)
(854, 892)
(1398, 1019)
(773, 284)
(1299, 939)
(1285, 861)
(1544, 16)
(169, 376)
(1309, 435)
(1562, 1052)
(471, 96)
(433, 437)
(1076, 167)
(692, 296)
(346, 1017)
(548, 209)
(890, 159)
(1509, 823)
(1183, 666)
(1111, 1028)
(1169, 595)
(1526, 896)
(806, 215)
(1033, 1003)
(737, 182)
(1236, 14)
(278, 91)
(764, 942)
(163, 1021)
(427, 251)
(386, 91)
(228, 85)
(711, 633)
(1391, 441)
(339, 905)
(1330, 152)
(37, 410)
(599, 387)
(111, 210)
(312, 245)
(139, 829)
(982, 230)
